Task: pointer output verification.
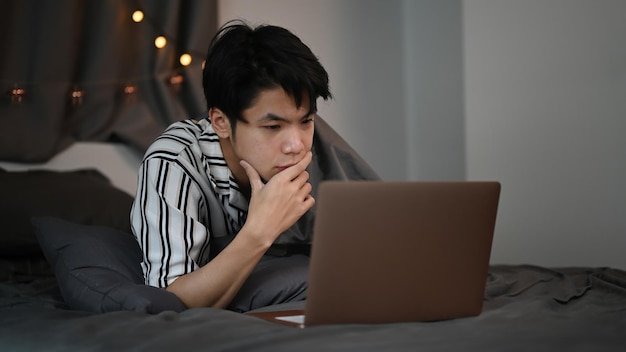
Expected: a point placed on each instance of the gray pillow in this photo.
(83, 196)
(98, 268)
(275, 280)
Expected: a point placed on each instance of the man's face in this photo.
(275, 135)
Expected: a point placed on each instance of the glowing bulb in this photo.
(185, 59)
(130, 89)
(176, 79)
(138, 16)
(17, 94)
(160, 42)
(77, 96)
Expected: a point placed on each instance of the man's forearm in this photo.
(216, 283)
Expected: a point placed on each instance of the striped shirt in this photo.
(188, 206)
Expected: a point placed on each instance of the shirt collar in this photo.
(221, 177)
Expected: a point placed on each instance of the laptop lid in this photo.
(388, 252)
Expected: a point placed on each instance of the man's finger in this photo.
(253, 176)
(295, 170)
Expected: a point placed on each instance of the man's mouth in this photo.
(282, 168)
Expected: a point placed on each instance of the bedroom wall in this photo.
(546, 115)
(531, 93)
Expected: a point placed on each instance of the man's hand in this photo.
(278, 204)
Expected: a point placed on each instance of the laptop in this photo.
(389, 252)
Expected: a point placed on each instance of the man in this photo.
(223, 211)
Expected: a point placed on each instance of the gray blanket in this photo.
(526, 308)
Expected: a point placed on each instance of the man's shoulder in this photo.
(181, 138)
(191, 128)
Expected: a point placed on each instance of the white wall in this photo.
(433, 71)
(546, 115)
(531, 93)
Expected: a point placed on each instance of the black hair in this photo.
(242, 61)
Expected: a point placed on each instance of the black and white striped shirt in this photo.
(188, 205)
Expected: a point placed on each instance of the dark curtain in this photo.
(77, 70)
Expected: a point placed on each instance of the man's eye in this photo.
(272, 127)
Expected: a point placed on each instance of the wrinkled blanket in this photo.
(526, 308)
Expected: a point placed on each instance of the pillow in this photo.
(275, 280)
(98, 268)
(83, 196)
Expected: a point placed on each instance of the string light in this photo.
(176, 79)
(17, 94)
(137, 16)
(130, 93)
(130, 89)
(185, 59)
(76, 95)
(160, 42)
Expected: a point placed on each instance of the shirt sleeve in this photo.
(166, 219)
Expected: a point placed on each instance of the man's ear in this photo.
(220, 122)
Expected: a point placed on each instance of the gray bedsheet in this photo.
(527, 308)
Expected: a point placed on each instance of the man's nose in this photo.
(293, 142)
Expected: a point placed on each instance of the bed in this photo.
(71, 281)
(526, 308)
